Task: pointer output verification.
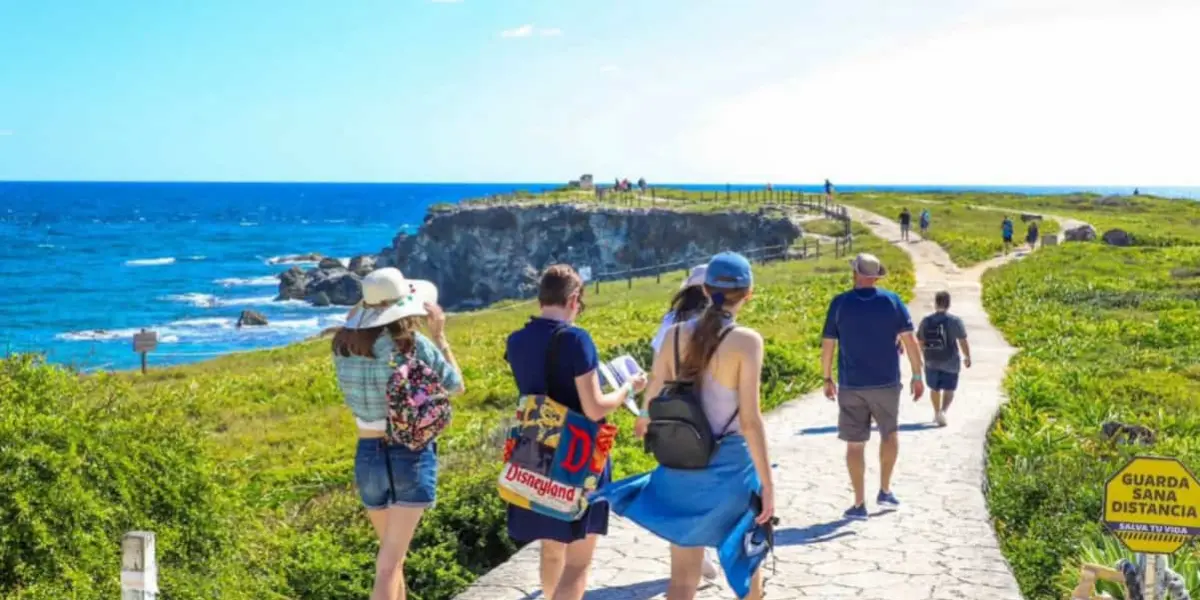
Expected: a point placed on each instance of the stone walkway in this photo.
(939, 545)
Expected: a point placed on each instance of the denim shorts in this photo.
(413, 480)
(941, 380)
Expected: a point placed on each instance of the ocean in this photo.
(87, 265)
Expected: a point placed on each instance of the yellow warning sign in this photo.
(1152, 505)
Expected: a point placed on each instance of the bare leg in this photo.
(889, 449)
(935, 398)
(389, 564)
(949, 395)
(685, 572)
(756, 585)
(573, 583)
(378, 521)
(856, 463)
(553, 557)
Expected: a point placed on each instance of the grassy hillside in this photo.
(243, 465)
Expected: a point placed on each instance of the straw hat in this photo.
(388, 297)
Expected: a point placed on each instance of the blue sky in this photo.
(865, 91)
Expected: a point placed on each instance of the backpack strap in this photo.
(738, 408)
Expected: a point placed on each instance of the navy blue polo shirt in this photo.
(865, 323)
(575, 355)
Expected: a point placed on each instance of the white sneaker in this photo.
(940, 418)
(709, 569)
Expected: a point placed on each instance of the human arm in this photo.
(750, 415)
(962, 342)
(661, 372)
(828, 347)
(913, 349)
(443, 359)
(580, 351)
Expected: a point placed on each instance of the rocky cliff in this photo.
(479, 255)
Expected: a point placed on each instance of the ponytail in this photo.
(707, 334)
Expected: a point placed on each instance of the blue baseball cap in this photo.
(728, 270)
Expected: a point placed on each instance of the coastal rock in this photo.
(330, 263)
(361, 265)
(334, 285)
(291, 284)
(1027, 217)
(251, 318)
(295, 258)
(1117, 237)
(479, 255)
(1083, 233)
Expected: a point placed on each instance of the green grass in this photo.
(970, 235)
(1105, 334)
(273, 449)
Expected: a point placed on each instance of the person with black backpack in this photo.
(704, 425)
(941, 335)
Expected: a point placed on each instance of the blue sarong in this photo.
(699, 508)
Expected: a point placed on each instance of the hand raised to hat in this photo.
(436, 322)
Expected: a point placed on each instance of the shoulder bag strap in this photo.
(550, 353)
(737, 407)
(677, 326)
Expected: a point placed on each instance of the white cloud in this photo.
(446, 1)
(550, 32)
(518, 32)
(610, 69)
(1076, 97)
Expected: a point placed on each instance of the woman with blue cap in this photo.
(694, 509)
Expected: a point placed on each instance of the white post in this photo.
(139, 569)
(1153, 567)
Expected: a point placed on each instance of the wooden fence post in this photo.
(630, 279)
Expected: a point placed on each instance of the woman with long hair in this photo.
(725, 362)
(688, 302)
(396, 484)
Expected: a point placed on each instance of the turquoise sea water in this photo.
(86, 265)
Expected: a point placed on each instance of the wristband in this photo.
(916, 377)
(645, 414)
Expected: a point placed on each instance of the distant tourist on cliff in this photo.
(395, 469)
(689, 302)
(942, 335)
(713, 482)
(924, 221)
(1006, 233)
(861, 326)
(828, 190)
(642, 184)
(905, 223)
(1031, 235)
(552, 356)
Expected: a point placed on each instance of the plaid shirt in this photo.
(364, 380)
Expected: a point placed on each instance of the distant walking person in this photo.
(1031, 235)
(1006, 232)
(924, 221)
(942, 335)
(905, 223)
(862, 325)
(828, 190)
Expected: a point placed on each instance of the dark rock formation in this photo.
(251, 318)
(1125, 433)
(1083, 233)
(1027, 217)
(321, 286)
(1117, 237)
(361, 265)
(479, 255)
(330, 263)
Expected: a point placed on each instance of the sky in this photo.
(966, 92)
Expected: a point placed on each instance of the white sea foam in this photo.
(46, 246)
(150, 262)
(288, 259)
(213, 329)
(197, 257)
(211, 301)
(265, 281)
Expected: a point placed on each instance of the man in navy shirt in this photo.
(863, 324)
(567, 547)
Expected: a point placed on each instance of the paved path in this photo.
(940, 545)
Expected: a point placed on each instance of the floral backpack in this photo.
(418, 403)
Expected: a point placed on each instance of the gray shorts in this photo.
(856, 408)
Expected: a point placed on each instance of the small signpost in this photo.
(139, 569)
(143, 343)
(585, 273)
(1152, 504)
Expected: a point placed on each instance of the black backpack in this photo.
(680, 436)
(936, 337)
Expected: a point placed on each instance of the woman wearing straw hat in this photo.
(396, 484)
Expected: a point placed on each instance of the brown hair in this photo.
(361, 342)
(707, 334)
(557, 284)
(941, 300)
